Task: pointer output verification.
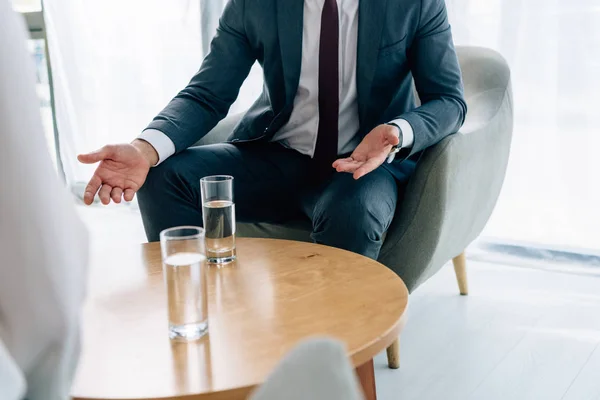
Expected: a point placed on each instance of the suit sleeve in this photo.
(210, 93)
(437, 77)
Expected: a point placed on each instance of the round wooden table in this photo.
(276, 294)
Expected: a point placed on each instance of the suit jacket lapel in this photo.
(371, 17)
(290, 15)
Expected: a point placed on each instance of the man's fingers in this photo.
(91, 189)
(128, 194)
(367, 167)
(116, 194)
(104, 194)
(348, 166)
(341, 160)
(95, 156)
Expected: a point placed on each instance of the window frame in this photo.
(37, 30)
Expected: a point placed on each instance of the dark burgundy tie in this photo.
(327, 136)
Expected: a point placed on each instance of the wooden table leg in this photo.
(366, 376)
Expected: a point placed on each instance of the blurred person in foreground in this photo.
(43, 244)
(333, 138)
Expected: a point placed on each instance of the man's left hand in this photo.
(371, 152)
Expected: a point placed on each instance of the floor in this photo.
(520, 334)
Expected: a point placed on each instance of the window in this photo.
(32, 12)
(37, 49)
(24, 6)
(550, 196)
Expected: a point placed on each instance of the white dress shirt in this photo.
(43, 244)
(300, 132)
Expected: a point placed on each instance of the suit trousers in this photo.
(274, 184)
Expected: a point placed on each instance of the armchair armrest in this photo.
(457, 182)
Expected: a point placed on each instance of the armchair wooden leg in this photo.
(393, 355)
(460, 269)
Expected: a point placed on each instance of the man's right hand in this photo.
(122, 171)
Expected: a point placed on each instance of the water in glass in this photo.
(186, 289)
(219, 226)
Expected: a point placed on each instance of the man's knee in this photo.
(354, 215)
(159, 179)
(169, 197)
(351, 218)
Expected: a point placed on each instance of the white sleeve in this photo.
(43, 243)
(164, 146)
(408, 136)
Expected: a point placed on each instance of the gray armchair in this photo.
(453, 191)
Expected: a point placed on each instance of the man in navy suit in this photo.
(333, 137)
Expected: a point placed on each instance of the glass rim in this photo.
(216, 178)
(165, 232)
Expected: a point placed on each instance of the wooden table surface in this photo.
(276, 294)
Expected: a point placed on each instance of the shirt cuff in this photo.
(164, 146)
(408, 136)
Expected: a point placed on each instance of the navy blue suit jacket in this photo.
(398, 40)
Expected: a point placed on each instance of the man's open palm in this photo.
(370, 153)
(122, 171)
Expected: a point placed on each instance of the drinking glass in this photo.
(218, 212)
(184, 267)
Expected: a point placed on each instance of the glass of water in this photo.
(184, 267)
(218, 212)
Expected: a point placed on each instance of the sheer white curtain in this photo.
(551, 193)
(117, 63)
